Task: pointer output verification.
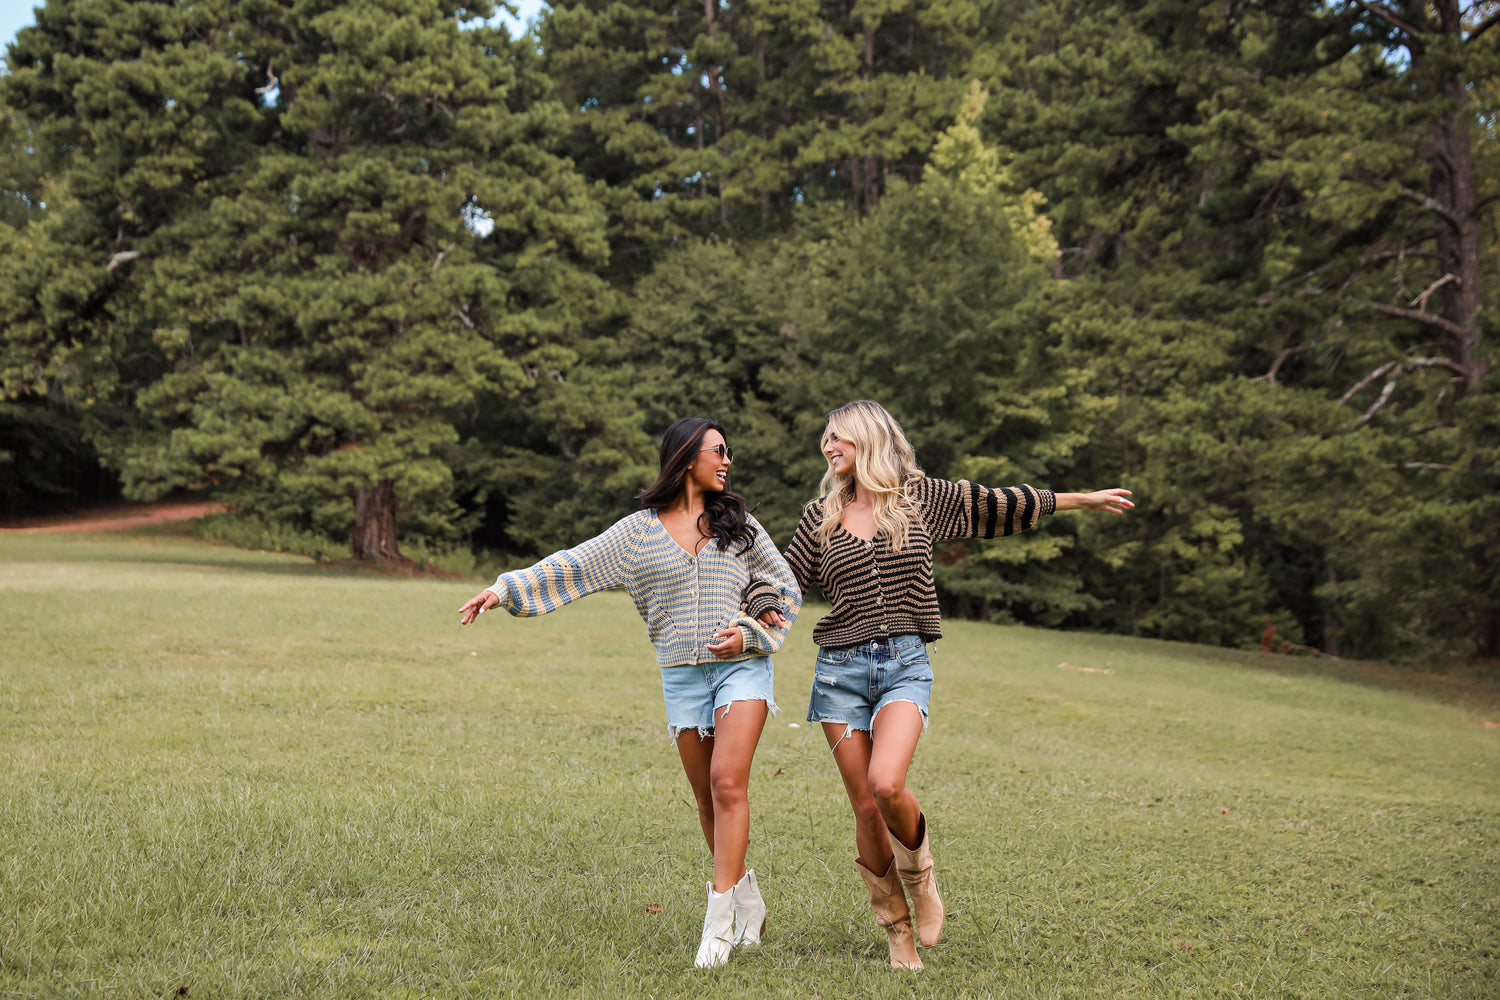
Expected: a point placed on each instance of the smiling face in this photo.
(709, 469)
(840, 453)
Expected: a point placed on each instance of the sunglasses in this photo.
(722, 450)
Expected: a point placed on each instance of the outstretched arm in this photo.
(598, 564)
(968, 510)
(1111, 500)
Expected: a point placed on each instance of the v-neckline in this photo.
(680, 547)
(858, 538)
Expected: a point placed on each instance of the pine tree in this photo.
(325, 229)
(1244, 190)
(719, 118)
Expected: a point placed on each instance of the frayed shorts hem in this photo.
(706, 732)
(695, 693)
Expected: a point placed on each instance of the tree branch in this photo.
(1270, 376)
(1431, 204)
(1389, 18)
(123, 257)
(1382, 370)
(1484, 26)
(1421, 300)
(1385, 394)
(1396, 312)
(1448, 363)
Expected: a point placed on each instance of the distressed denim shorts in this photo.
(852, 684)
(695, 691)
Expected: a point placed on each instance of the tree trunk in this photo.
(1453, 187)
(1331, 624)
(375, 522)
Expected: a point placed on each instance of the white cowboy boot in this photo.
(749, 911)
(718, 929)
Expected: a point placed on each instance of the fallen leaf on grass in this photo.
(1490, 725)
(653, 907)
(1085, 670)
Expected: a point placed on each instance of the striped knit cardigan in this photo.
(880, 594)
(683, 599)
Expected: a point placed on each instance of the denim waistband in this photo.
(895, 641)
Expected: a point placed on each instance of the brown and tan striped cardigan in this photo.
(879, 594)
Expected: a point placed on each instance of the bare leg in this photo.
(697, 756)
(852, 754)
(897, 728)
(737, 729)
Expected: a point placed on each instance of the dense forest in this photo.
(382, 272)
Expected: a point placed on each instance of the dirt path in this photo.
(114, 518)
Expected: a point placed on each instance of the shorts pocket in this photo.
(915, 663)
(833, 657)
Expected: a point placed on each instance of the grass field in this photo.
(230, 774)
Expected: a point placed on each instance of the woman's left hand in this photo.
(731, 642)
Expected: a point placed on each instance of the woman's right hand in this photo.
(476, 606)
(772, 619)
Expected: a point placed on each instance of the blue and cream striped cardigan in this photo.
(683, 599)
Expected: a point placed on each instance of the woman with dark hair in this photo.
(717, 599)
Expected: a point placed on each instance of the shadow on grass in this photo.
(1474, 686)
(136, 545)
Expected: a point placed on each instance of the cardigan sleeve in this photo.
(804, 555)
(603, 562)
(771, 579)
(968, 510)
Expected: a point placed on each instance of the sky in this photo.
(17, 14)
(14, 15)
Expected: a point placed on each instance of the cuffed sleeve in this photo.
(761, 597)
(773, 585)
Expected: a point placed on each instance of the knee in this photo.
(887, 791)
(867, 816)
(726, 787)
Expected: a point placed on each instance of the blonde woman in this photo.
(867, 543)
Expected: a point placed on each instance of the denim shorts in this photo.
(695, 691)
(852, 684)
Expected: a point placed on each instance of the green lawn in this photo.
(231, 774)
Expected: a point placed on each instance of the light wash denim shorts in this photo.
(695, 691)
(852, 684)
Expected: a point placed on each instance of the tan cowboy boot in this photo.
(915, 867)
(891, 912)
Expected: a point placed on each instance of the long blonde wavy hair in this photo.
(884, 463)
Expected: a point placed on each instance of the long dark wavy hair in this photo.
(728, 519)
